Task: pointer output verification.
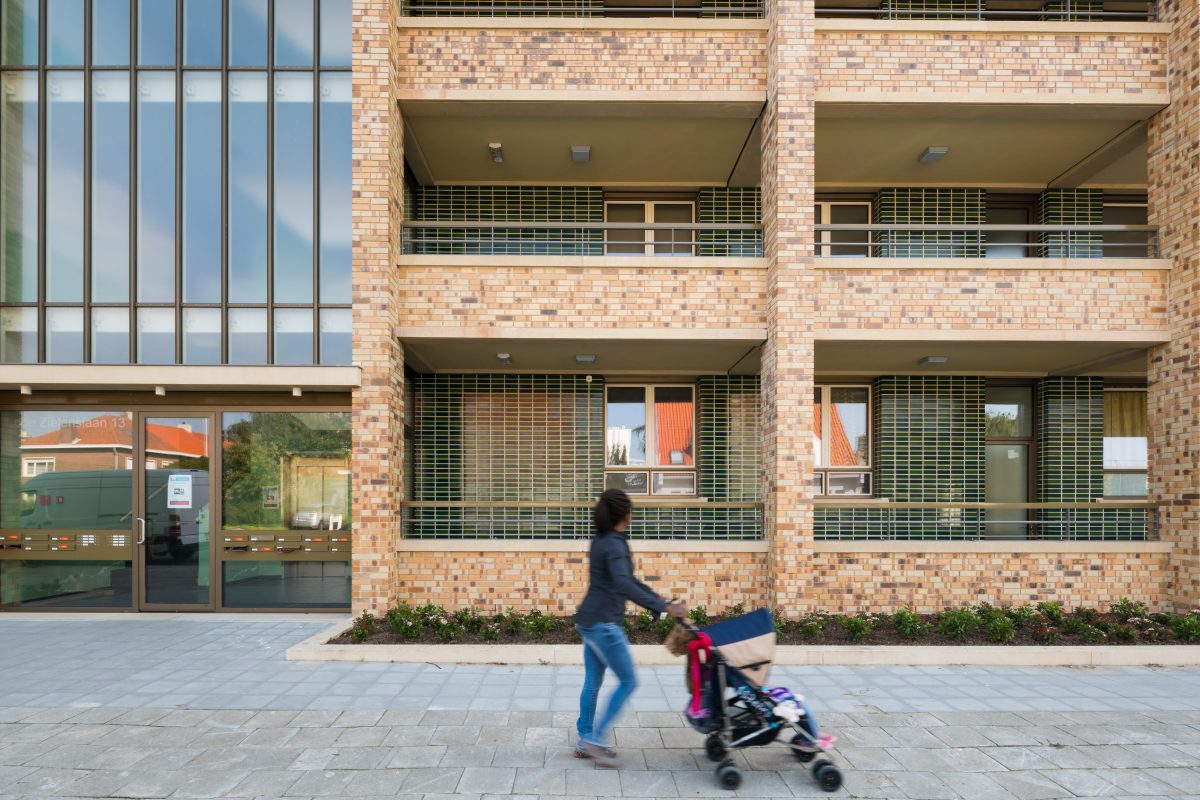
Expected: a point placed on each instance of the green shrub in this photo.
(698, 615)
(1053, 612)
(429, 614)
(986, 612)
(489, 631)
(782, 624)
(469, 619)
(404, 621)
(539, 625)
(358, 635)
(1075, 625)
(448, 629)
(1126, 609)
(645, 620)
(1043, 633)
(957, 623)
(511, 623)
(1088, 616)
(1000, 629)
(857, 628)
(1187, 628)
(1092, 634)
(908, 624)
(1021, 615)
(735, 610)
(662, 627)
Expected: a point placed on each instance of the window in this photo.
(842, 440)
(1121, 244)
(843, 243)
(647, 241)
(1008, 415)
(1125, 443)
(1007, 244)
(649, 441)
(38, 466)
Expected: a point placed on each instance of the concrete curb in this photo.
(315, 649)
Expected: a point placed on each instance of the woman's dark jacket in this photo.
(611, 583)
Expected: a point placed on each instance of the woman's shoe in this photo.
(603, 756)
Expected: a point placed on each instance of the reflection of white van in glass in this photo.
(103, 500)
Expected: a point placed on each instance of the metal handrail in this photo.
(655, 502)
(598, 9)
(1048, 522)
(1035, 9)
(589, 226)
(1086, 238)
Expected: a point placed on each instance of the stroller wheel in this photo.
(828, 777)
(714, 748)
(729, 776)
(803, 756)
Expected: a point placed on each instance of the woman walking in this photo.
(600, 621)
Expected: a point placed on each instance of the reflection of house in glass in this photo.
(106, 442)
(673, 433)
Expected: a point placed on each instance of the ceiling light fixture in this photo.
(932, 153)
(587, 358)
(26, 389)
(581, 152)
(160, 391)
(497, 151)
(504, 358)
(931, 361)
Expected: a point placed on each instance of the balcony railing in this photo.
(987, 241)
(1029, 10)
(1068, 522)
(582, 239)
(585, 8)
(677, 520)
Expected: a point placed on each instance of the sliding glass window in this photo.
(177, 181)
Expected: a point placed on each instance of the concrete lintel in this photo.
(748, 335)
(408, 24)
(586, 262)
(644, 546)
(178, 377)
(1016, 548)
(634, 102)
(1125, 337)
(997, 264)
(1052, 28)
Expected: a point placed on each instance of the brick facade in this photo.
(1174, 396)
(979, 62)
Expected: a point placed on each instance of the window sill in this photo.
(639, 546)
(998, 546)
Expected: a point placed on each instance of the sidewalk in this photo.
(195, 707)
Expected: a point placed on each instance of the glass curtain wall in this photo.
(176, 181)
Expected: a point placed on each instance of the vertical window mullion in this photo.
(87, 159)
(270, 182)
(133, 174)
(223, 261)
(648, 399)
(43, 143)
(179, 100)
(316, 182)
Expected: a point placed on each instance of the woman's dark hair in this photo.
(611, 509)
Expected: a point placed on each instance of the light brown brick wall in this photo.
(556, 581)
(869, 582)
(919, 61)
(1174, 388)
(1076, 300)
(644, 60)
(585, 297)
(378, 406)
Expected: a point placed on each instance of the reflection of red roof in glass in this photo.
(841, 452)
(116, 430)
(673, 431)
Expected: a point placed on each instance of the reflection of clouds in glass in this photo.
(293, 32)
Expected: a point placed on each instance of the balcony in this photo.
(998, 10)
(674, 9)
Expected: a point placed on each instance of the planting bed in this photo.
(1046, 624)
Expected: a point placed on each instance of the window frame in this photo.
(1105, 471)
(822, 211)
(31, 461)
(649, 469)
(649, 244)
(821, 473)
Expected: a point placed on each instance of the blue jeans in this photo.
(604, 647)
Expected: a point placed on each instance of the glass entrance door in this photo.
(174, 527)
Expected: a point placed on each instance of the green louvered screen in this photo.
(522, 457)
(1071, 207)
(729, 435)
(902, 207)
(1074, 11)
(730, 206)
(1070, 432)
(504, 8)
(506, 204)
(731, 9)
(929, 448)
(928, 9)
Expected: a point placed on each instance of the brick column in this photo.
(788, 131)
(1174, 396)
(378, 405)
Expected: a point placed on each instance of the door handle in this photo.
(141, 531)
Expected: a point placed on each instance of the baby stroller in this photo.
(727, 665)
